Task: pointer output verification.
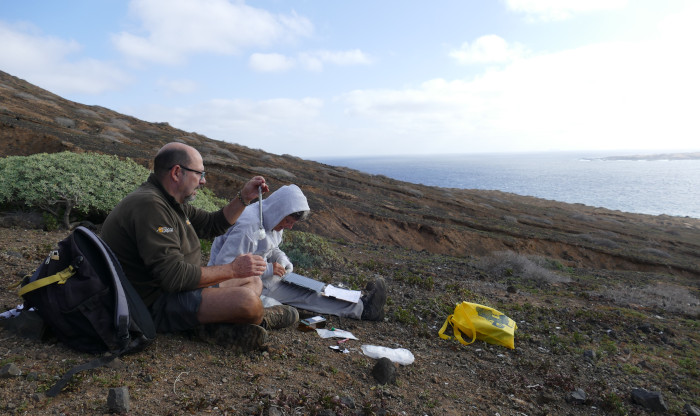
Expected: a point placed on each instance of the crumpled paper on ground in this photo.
(336, 333)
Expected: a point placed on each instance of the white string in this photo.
(261, 231)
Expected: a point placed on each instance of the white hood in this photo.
(284, 201)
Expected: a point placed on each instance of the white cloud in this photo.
(276, 125)
(315, 61)
(311, 61)
(604, 96)
(48, 62)
(561, 9)
(488, 49)
(178, 86)
(344, 58)
(173, 29)
(270, 62)
(601, 96)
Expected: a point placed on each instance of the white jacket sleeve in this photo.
(278, 256)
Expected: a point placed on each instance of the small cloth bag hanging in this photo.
(480, 322)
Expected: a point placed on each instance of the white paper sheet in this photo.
(342, 294)
(337, 333)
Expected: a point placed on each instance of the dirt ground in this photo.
(569, 337)
(609, 306)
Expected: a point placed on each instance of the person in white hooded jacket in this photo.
(281, 210)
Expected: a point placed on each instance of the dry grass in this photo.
(667, 297)
(508, 263)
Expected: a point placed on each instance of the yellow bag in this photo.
(480, 322)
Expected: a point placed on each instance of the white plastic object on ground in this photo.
(397, 355)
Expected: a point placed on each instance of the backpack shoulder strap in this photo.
(121, 313)
(129, 306)
(59, 278)
(63, 381)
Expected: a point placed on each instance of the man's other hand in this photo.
(250, 189)
(247, 265)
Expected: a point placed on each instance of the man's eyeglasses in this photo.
(201, 173)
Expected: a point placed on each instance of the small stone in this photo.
(118, 400)
(589, 355)
(577, 396)
(348, 402)
(652, 400)
(384, 371)
(10, 370)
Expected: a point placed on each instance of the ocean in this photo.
(655, 187)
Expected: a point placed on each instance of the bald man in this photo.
(155, 232)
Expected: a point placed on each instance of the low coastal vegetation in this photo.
(71, 187)
(603, 333)
(587, 336)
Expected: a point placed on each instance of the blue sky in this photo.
(397, 77)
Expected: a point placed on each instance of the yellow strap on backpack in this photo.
(480, 322)
(59, 278)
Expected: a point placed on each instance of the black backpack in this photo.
(87, 302)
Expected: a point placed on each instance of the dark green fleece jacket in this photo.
(156, 240)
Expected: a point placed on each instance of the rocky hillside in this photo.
(607, 310)
(358, 207)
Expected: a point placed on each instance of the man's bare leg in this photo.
(230, 304)
(254, 283)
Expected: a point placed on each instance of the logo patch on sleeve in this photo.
(164, 230)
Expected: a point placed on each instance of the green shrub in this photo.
(405, 316)
(68, 183)
(306, 250)
(83, 184)
(413, 279)
(207, 200)
(612, 403)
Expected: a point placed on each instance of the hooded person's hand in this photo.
(278, 270)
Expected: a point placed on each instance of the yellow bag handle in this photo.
(457, 332)
(59, 278)
(441, 332)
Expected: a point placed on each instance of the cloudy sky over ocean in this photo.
(356, 78)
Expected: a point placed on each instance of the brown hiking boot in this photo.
(240, 337)
(373, 300)
(279, 316)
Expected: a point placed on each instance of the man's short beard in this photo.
(190, 198)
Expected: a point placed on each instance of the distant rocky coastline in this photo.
(653, 157)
